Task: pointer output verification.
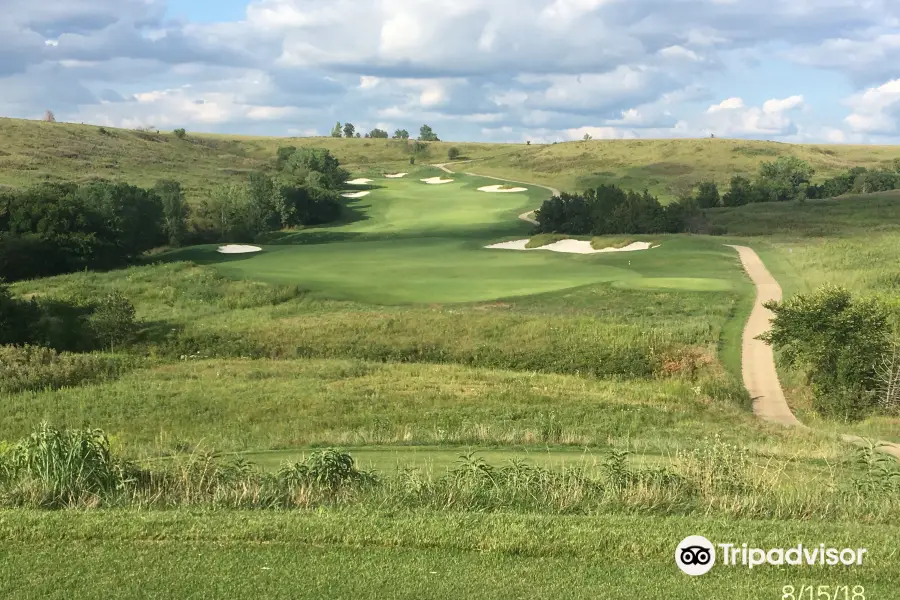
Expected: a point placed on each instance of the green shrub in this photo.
(180, 133)
(453, 153)
(113, 320)
(838, 341)
(24, 368)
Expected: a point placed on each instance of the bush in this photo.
(180, 133)
(113, 320)
(33, 368)
(838, 341)
(708, 195)
(453, 153)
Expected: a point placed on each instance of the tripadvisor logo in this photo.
(696, 555)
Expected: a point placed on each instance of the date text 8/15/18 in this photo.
(823, 592)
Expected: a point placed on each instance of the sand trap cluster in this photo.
(396, 175)
(571, 247)
(498, 189)
(436, 180)
(356, 194)
(361, 181)
(237, 249)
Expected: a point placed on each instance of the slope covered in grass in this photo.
(34, 151)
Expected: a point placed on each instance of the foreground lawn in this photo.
(129, 554)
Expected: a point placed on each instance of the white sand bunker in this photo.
(356, 194)
(359, 182)
(237, 249)
(396, 175)
(571, 247)
(500, 189)
(436, 180)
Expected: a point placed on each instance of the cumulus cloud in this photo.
(490, 69)
(876, 110)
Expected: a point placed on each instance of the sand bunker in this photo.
(396, 175)
(571, 247)
(355, 194)
(359, 182)
(237, 249)
(436, 180)
(498, 189)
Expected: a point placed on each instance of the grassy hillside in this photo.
(33, 151)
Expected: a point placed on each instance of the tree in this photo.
(49, 117)
(401, 134)
(175, 210)
(782, 179)
(357, 134)
(284, 154)
(708, 195)
(349, 130)
(336, 132)
(426, 134)
(453, 153)
(180, 133)
(740, 193)
(588, 137)
(838, 340)
(378, 134)
(264, 209)
(113, 321)
(306, 160)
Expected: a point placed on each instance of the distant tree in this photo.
(426, 134)
(180, 133)
(401, 134)
(708, 195)
(378, 134)
(175, 210)
(306, 161)
(528, 143)
(264, 208)
(453, 153)
(336, 132)
(357, 134)
(284, 154)
(349, 130)
(783, 178)
(49, 117)
(588, 137)
(740, 193)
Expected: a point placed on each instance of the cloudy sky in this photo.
(489, 70)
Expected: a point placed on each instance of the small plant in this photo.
(412, 160)
(180, 133)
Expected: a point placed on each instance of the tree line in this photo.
(348, 130)
(55, 228)
(608, 209)
(789, 178)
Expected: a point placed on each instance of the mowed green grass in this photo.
(355, 555)
(417, 243)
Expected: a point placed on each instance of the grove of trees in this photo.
(609, 209)
(789, 178)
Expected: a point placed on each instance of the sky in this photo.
(817, 71)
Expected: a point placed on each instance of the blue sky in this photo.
(492, 70)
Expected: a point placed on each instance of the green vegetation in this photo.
(382, 391)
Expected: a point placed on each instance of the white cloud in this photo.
(876, 110)
(730, 104)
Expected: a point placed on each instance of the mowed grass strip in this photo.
(353, 554)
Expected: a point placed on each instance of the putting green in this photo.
(410, 242)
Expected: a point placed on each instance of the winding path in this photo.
(528, 216)
(758, 360)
